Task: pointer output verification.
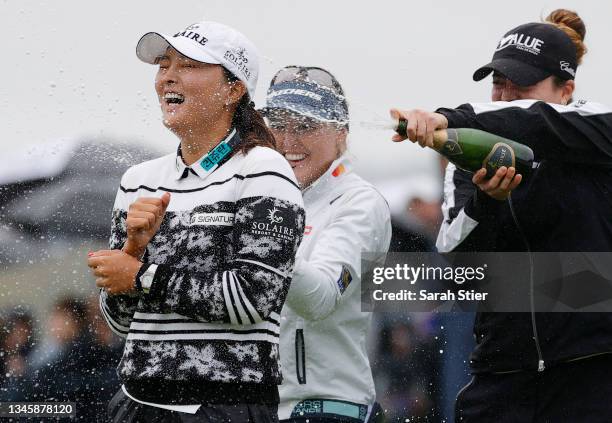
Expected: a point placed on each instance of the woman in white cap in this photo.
(203, 243)
(326, 371)
(528, 367)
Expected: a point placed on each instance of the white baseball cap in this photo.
(207, 42)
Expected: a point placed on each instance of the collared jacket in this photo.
(323, 330)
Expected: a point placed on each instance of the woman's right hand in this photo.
(421, 125)
(144, 218)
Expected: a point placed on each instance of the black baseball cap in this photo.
(532, 52)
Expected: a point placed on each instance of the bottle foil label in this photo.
(501, 155)
(451, 147)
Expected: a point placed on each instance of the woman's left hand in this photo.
(501, 183)
(115, 270)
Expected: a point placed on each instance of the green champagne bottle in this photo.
(473, 149)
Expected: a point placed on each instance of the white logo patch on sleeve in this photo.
(212, 219)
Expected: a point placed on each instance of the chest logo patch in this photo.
(212, 219)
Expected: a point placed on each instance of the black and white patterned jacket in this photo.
(208, 329)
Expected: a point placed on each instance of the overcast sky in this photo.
(69, 67)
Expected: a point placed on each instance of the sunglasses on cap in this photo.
(309, 74)
(326, 102)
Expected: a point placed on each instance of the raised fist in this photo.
(144, 218)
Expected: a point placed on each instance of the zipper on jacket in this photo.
(300, 353)
(534, 326)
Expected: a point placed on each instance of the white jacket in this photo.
(323, 331)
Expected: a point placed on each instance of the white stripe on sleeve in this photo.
(583, 108)
(454, 233)
(228, 299)
(265, 266)
(254, 314)
(116, 327)
(243, 315)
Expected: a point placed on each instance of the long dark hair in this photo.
(249, 123)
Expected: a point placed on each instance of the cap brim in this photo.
(153, 45)
(518, 72)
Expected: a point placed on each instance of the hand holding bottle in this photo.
(421, 125)
(500, 184)
(493, 159)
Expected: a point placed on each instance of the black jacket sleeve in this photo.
(579, 133)
(469, 214)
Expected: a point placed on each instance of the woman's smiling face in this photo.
(309, 146)
(190, 93)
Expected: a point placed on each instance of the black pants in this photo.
(575, 392)
(122, 409)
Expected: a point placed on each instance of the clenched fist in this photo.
(144, 218)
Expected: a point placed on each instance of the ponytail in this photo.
(251, 126)
(249, 123)
(570, 23)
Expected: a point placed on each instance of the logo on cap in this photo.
(237, 56)
(295, 91)
(565, 66)
(522, 42)
(188, 33)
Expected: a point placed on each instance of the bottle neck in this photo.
(440, 137)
